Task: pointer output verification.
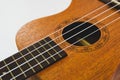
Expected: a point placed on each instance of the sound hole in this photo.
(80, 32)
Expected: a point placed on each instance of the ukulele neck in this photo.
(31, 60)
(112, 3)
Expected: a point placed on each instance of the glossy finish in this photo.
(96, 62)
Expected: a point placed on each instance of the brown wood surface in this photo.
(117, 74)
(96, 62)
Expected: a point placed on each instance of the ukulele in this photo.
(80, 43)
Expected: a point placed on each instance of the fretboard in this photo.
(31, 60)
(112, 3)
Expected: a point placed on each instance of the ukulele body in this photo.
(95, 62)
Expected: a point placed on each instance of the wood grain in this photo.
(117, 74)
(96, 62)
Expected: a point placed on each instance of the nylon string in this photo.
(72, 36)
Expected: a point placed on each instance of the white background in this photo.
(15, 13)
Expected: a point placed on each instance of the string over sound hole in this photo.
(78, 31)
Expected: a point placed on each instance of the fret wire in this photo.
(34, 57)
(56, 48)
(8, 60)
(21, 77)
(25, 59)
(53, 49)
(9, 69)
(7, 76)
(48, 51)
(16, 72)
(29, 73)
(1, 64)
(4, 69)
(19, 67)
(43, 56)
(37, 64)
(24, 71)
(27, 62)
(45, 60)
